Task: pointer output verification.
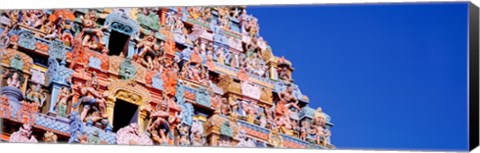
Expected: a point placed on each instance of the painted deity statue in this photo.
(207, 14)
(50, 137)
(171, 20)
(14, 78)
(197, 136)
(62, 101)
(183, 135)
(33, 18)
(36, 94)
(319, 123)
(147, 50)
(94, 138)
(235, 13)
(288, 97)
(263, 120)
(244, 140)
(224, 107)
(160, 120)
(24, 135)
(284, 124)
(194, 12)
(243, 19)
(90, 30)
(304, 129)
(131, 135)
(67, 32)
(92, 99)
(252, 27)
(224, 17)
(284, 74)
(251, 110)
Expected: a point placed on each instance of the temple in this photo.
(181, 76)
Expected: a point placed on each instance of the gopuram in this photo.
(181, 76)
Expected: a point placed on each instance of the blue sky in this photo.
(391, 76)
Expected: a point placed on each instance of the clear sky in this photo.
(391, 76)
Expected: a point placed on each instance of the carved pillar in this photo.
(163, 16)
(57, 78)
(109, 109)
(14, 95)
(142, 119)
(55, 89)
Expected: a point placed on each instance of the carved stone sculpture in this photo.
(36, 94)
(50, 137)
(24, 135)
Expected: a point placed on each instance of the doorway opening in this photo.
(118, 43)
(124, 113)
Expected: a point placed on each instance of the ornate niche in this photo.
(130, 92)
(122, 30)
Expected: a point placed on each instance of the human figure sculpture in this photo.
(49, 137)
(216, 102)
(183, 135)
(90, 29)
(225, 108)
(252, 27)
(284, 124)
(304, 129)
(251, 110)
(160, 119)
(244, 140)
(207, 14)
(33, 18)
(148, 50)
(288, 97)
(62, 101)
(178, 28)
(197, 137)
(14, 78)
(92, 99)
(284, 74)
(220, 54)
(67, 32)
(243, 19)
(171, 21)
(235, 13)
(194, 72)
(36, 94)
(24, 134)
(326, 137)
(233, 114)
(194, 12)
(14, 16)
(131, 135)
(320, 131)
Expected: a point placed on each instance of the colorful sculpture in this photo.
(62, 102)
(36, 94)
(200, 76)
(92, 36)
(94, 102)
(23, 135)
(147, 50)
(50, 137)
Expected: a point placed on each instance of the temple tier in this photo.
(188, 76)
